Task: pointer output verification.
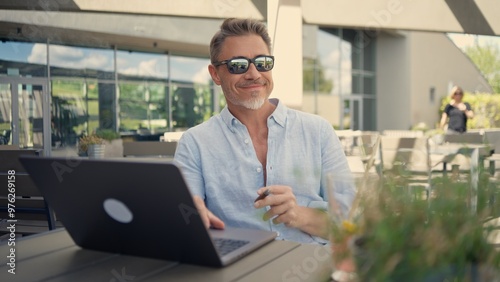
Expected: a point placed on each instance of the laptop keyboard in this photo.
(225, 246)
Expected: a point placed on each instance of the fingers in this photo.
(282, 203)
(290, 219)
(276, 196)
(202, 210)
(278, 210)
(214, 221)
(208, 218)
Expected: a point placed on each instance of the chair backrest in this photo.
(466, 137)
(492, 137)
(366, 144)
(403, 133)
(24, 195)
(346, 138)
(9, 147)
(364, 154)
(366, 147)
(172, 136)
(409, 153)
(149, 149)
(5, 137)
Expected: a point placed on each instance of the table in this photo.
(476, 152)
(53, 256)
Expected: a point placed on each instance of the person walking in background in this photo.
(456, 113)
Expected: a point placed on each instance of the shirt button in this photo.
(246, 141)
(277, 234)
(258, 169)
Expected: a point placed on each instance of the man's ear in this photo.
(213, 74)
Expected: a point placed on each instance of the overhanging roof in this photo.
(459, 16)
(185, 27)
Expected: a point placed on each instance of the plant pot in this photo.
(114, 148)
(96, 151)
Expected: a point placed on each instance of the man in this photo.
(257, 144)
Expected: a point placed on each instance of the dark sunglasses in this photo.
(239, 65)
(459, 93)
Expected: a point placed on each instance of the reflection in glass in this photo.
(70, 111)
(5, 114)
(85, 96)
(89, 61)
(23, 59)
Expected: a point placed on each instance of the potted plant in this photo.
(113, 141)
(397, 235)
(91, 145)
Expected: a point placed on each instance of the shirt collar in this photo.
(279, 114)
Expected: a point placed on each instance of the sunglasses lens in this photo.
(241, 65)
(238, 65)
(264, 63)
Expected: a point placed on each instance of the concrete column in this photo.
(284, 19)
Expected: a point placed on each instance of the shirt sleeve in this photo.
(447, 109)
(334, 165)
(187, 158)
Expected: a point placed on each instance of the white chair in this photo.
(403, 133)
(172, 136)
(407, 161)
(462, 162)
(492, 137)
(365, 159)
(346, 138)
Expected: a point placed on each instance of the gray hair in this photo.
(237, 27)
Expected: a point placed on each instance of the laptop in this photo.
(135, 207)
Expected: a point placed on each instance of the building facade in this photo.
(70, 67)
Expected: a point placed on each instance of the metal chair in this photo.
(406, 160)
(31, 210)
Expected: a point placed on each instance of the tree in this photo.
(487, 60)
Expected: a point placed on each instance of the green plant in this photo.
(107, 134)
(88, 140)
(397, 235)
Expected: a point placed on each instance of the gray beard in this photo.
(253, 104)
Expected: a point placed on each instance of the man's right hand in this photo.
(209, 219)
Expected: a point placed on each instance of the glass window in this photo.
(84, 62)
(5, 114)
(143, 106)
(70, 111)
(135, 65)
(369, 84)
(334, 61)
(345, 67)
(369, 114)
(142, 80)
(85, 96)
(193, 92)
(23, 59)
(190, 69)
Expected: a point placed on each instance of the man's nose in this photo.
(252, 72)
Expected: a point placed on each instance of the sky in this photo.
(467, 40)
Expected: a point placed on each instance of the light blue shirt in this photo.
(219, 163)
